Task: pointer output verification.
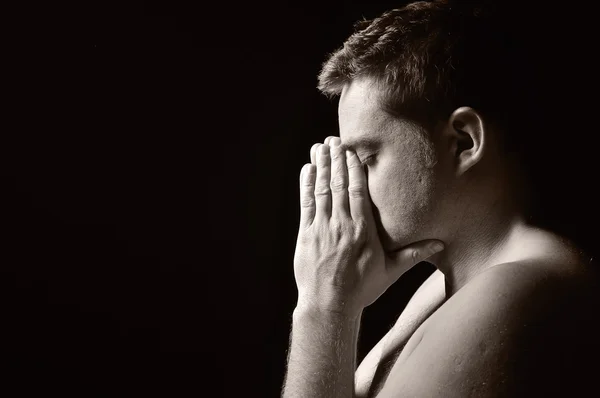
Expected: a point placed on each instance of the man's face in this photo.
(399, 166)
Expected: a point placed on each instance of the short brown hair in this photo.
(429, 58)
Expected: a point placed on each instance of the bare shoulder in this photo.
(544, 315)
(531, 285)
(538, 291)
(524, 295)
(518, 329)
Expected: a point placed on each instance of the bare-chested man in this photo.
(421, 159)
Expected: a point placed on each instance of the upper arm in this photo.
(489, 338)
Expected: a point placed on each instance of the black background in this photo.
(150, 196)
(150, 186)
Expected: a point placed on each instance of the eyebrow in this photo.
(365, 143)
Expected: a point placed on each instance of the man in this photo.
(429, 165)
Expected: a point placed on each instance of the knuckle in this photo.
(355, 192)
(360, 224)
(306, 238)
(360, 227)
(308, 182)
(307, 202)
(322, 190)
(339, 183)
(340, 230)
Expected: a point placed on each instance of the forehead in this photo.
(359, 113)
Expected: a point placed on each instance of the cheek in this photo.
(385, 190)
(402, 193)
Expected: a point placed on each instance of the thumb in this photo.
(409, 256)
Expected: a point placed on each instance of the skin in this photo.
(426, 188)
(360, 230)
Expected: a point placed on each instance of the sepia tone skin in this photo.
(363, 226)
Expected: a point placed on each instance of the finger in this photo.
(313, 153)
(358, 195)
(322, 183)
(313, 149)
(339, 180)
(332, 140)
(307, 195)
(328, 139)
(416, 252)
(398, 263)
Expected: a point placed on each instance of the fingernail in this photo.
(324, 149)
(437, 246)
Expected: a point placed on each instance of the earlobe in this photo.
(468, 133)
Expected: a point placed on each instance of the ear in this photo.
(467, 135)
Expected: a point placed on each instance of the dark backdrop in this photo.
(150, 186)
(150, 195)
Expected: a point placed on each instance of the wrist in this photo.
(306, 309)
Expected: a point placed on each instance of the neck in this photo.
(489, 242)
(484, 235)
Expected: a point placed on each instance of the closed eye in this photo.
(368, 160)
